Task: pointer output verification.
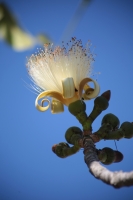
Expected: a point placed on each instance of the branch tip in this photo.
(107, 94)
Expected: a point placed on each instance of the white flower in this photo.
(63, 71)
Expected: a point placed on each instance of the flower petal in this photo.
(56, 95)
(56, 106)
(90, 93)
(49, 93)
(68, 87)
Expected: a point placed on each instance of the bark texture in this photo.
(116, 179)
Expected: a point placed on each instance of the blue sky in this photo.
(29, 169)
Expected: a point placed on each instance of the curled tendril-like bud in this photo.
(89, 93)
(68, 96)
(56, 106)
(112, 120)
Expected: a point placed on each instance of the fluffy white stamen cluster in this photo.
(50, 66)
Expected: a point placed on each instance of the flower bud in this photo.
(112, 120)
(127, 127)
(73, 134)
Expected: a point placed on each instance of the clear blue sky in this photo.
(28, 168)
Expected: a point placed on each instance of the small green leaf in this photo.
(11, 32)
(14, 35)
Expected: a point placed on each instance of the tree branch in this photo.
(116, 179)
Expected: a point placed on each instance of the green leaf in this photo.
(14, 35)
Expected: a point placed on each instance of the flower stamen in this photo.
(61, 73)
